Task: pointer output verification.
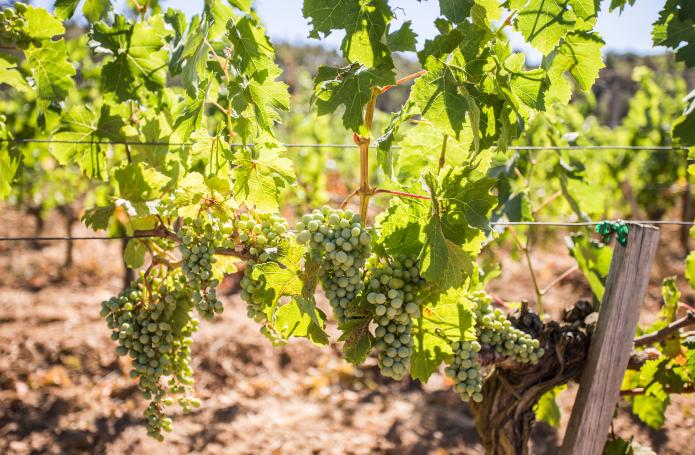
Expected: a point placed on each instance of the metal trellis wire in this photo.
(653, 148)
(494, 223)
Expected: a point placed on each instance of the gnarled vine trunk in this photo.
(505, 417)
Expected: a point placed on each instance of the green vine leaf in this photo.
(404, 39)
(260, 175)
(134, 254)
(365, 24)
(446, 316)
(137, 55)
(349, 87)
(438, 95)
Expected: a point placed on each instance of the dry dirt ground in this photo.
(63, 389)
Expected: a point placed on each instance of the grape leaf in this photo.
(401, 227)
(459, 212)
(139, 182)
(438, 94)
(364, 21)
(98, 217)
(10, 75)
(251, 45)
(189, 192)
(620, 4)
(134, 254)
(546, 409)
(443, 262)
(138, 55)
(467, 204)
(50, 69)
(257, 102)
(529, 86)
(190, 114)
(65, 9)
(580, 54)
(684, 126)
(8, 169)
(593, 260)
(456, 10)
(219, 14)
(77, 139)
(690, 269)
(675, 28)
(650, 410)
(193, 60)
(357, 341)
(404, 39)
(259, 176)
(384, 154)
(349, 87)
(280, 276)
(291, 321)
(543, 23)
(95, 10)
(422, 146)
(41, 24)
(243, 5)
(447, 314)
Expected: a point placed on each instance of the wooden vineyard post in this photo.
(611, 342)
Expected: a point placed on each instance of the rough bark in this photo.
(505, 417)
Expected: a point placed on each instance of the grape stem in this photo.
(659, 335)
(163, 232)
(347, 199)
(403, 80)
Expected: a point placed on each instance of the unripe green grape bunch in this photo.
(152, 323)
(340, 240)
(13, 27)
(198, 241)
(393, 288)
(495, 330)
(464, 370)
(261, 234)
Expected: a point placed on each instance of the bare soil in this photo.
(64, 390)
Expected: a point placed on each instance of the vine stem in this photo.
(557, 280)
(363, 142)
(675, 326)
(525, 250)
(669, 390)
(442, 154)
(403, 80)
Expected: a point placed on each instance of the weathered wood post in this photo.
(611, 342)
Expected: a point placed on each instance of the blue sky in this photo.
(626, 32)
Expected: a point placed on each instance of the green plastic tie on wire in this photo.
(606, 229)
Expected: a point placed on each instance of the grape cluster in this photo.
(340, 240)
(198, 241)
(495, 330)
(153, 324)
(393, 289)
(464, 370)
(261, 233)
(13, 27)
